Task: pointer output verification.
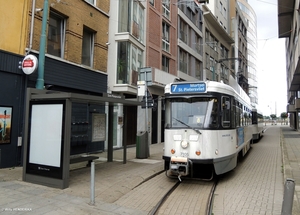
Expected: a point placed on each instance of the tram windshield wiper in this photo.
(187, 125)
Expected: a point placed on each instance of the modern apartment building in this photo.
(239, 31)
(75, 61)
(288, 27)
(227, 55)
(250, 17)
(190, 41)
(218, 43)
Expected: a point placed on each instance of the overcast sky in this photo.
(271, 68)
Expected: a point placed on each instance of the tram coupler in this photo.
(179, 166)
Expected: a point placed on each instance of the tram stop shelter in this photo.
(53, 123)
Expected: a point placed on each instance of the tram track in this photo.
(197, 185)
(159, 194)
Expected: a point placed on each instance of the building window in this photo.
(183, 61)
(165, 38)
(165, 64)
(122, 62)
(87, 48)
(206, 36)
(136, 58)
(93, 2)
(129, 58)
(192, 11)
(166, 8)
(222, 48)
(183, 29)
(207, 61)
(138, 21)
(198, 44)
(56, 35)
(131, 19)
(151, 2)
(198, 70)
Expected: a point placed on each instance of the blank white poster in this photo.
(46, 134)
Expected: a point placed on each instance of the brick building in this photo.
(75, 60)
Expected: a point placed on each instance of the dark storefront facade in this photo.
(59, 75)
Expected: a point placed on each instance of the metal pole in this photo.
(41, 66)
(110, 133)
(92, 183)
(288, 197)
(146, 114)
(124, 134)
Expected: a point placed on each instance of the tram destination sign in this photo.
(188, 88)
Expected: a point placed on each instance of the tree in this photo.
(273, 116)
(284, 115)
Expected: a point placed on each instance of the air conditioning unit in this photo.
(297, 104)
(290, 108)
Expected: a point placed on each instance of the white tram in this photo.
(207, 124)
(258, 122)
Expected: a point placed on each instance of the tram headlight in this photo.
(184, 144)
(217, 152)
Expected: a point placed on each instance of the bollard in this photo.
(288, 197)
(92, 183)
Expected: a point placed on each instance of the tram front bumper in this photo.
(179, 166)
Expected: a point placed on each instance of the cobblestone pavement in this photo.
(256, 185)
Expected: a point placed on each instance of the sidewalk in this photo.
(290, 142)
(112, 180)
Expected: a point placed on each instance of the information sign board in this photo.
(188, 88)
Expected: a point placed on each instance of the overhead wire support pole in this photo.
(41, 67)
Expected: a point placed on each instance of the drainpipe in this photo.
(31, 26)
(41, 67)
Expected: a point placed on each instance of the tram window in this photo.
(226, 112)
(188, 112)
(245, 116)
(250, 118)
(233, 113)
(238, 114)
(213, 120)
(254, 117)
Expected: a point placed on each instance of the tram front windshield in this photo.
(191, 112)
